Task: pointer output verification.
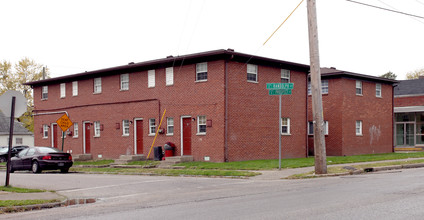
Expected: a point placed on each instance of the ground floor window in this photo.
(311, 128)
(152, 126)
(409, 129)
(285, 125)
(358, 128)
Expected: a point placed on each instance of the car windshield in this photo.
(48, 150)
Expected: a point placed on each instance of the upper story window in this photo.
(324, 87)
(62, 90)
(125, 128)
(202, 71)
(378, 90)
(358, 87)
(311, 128)
(201, 125)
(169, 76)
(252, 73)
(170, 126)
(151, 79)
(125, 81)
(285, 76)
(97, 129)
(74, 88)
(285, 125)
(45, 131)
(152, 126)
(44, 92)
(97, 85)
(358, 128)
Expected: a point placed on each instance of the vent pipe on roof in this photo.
(44, 73)
(170, 56)
(130, 63)
(334, 68)
(231, 50)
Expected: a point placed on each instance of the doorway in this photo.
(138, 136)
(87, 144)
(186, 135)
(405, 134)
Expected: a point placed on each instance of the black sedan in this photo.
(4, 151)
(37, 159)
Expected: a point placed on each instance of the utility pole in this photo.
(317, 112)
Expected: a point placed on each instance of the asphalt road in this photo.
(383, 195)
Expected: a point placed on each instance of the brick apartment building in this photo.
(358, 113)
(217, 109)
(409, 114)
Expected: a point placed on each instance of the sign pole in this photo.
(12, 119)
(63, 139)
(279, 135)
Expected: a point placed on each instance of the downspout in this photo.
(51, 113)
(393, 117)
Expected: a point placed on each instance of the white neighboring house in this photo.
(21, 136)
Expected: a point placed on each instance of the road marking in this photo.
(120, 197)
(109, 186)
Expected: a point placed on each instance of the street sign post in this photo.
(279, 89)
(64, 123)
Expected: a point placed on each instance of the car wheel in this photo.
(2, 159)
(64, 170)
(35, 167)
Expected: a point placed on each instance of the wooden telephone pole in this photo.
(317, 112)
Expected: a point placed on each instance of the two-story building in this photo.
(217, 108)
(358, 113)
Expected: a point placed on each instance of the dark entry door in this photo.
(54, 136)
(186, 136)
(87, 128)
(139, 136)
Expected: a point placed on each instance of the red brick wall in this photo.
(409, 101)
(342, 108)
(185, 98)
(253, 115)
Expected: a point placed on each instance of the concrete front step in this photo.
(82, 157)
(179, 159)
(128, 158)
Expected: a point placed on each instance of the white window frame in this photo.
(97, 129)
(312, 133)
(97, 85)
(19, 140)
(252, 70)
(62, 90)
(45, 131)
(358, 128)
(152, 126)
(125, 127)
(170, 124)
(285, 75)
(285, 122)
(151, 81)
(324, 86)
(75, 88)
(201, 124)
(201, 68)
(378, 90)
(358, 88)
(44, 92)
(76, 131)
(125, 81)
(169, 72)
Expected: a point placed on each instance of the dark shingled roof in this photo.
(333, 72)
(18, 128)
(410, 87)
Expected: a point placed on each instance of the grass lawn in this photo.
(297, 162)
(7, 203)
(94, 162)
(19, 190)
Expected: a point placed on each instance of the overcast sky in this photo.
(81, 35)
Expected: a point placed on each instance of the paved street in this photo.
(382, 195)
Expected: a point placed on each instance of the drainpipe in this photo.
(226, 114)
(51, 113)
(393, 118)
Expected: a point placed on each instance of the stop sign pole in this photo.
(12, 119)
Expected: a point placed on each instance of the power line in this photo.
(397, 9)
(399, 12)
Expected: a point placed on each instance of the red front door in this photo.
(55, 132)
(139, 136)
(186, 136)
(87, 127)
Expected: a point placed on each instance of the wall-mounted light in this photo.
(194, 119)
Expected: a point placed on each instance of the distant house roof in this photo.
(18, 128)
(333, 72)
(176, 61)
(410, 87)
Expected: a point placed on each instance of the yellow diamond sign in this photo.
(64, 122)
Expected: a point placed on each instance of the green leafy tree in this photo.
(389, 75)
(415, 74)
(14, 77)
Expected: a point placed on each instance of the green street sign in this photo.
(279, 85)
(280, 92)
